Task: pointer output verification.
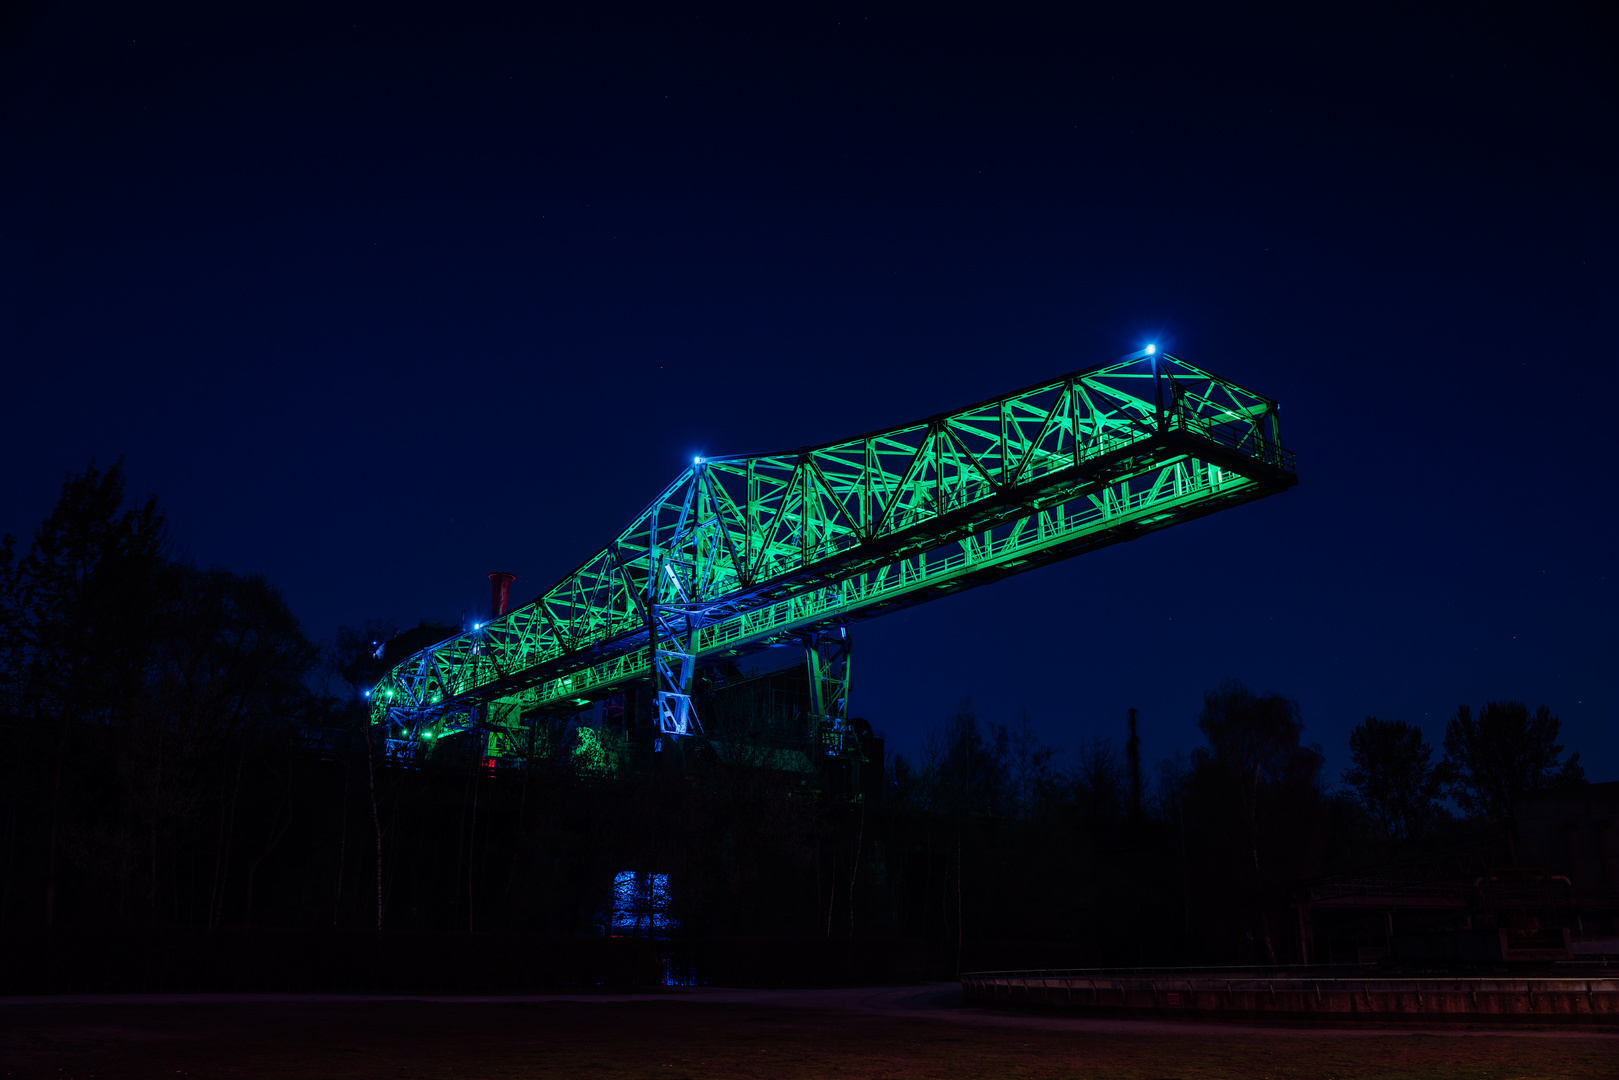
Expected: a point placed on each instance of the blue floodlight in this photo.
(1151, 349)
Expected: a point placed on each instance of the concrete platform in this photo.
(1307, 997)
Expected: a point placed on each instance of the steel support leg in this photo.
(826, 654)
(676, 667)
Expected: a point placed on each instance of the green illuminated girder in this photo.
(742, 552)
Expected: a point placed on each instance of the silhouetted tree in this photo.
(1257, 790)
(356, 656)
(1392, 777)
(80, 608)
(143, 697)
(1505, 753)
(965, 765)
(1099, 783)
(236, 665)
(1029, 769)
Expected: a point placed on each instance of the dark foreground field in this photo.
(916, 1032)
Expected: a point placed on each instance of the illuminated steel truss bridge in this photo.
(745, 553)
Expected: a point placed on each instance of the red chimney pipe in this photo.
(500, 592)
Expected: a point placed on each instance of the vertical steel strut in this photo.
(826, 655)
(676, 664)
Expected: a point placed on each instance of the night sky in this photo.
(378, 299)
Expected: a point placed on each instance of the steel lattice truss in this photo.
(740, 553)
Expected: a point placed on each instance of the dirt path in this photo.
(720, 1034)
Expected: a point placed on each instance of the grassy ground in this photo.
(670, 1039)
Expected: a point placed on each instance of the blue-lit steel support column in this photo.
(827, 655)
(676, 666)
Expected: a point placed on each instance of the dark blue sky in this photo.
(378, 299)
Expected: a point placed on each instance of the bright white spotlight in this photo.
(1151, 349)
(696, 461)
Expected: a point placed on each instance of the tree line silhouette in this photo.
(172, 753)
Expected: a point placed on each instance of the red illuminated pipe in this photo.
(500, 592)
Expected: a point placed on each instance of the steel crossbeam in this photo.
(749, 551)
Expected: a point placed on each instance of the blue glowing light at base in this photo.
(641, 906)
